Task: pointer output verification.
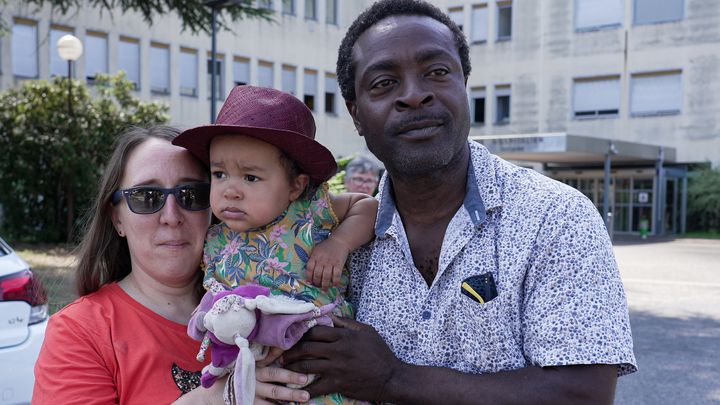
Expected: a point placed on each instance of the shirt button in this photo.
(426, 315)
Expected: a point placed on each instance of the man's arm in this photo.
(353, 359)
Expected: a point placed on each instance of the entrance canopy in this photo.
(564, 148)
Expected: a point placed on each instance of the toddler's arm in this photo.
(356, 213)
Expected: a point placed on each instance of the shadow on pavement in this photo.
(678, 361)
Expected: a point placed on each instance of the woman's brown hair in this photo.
(103, 256)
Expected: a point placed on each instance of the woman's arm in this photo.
(267, 389)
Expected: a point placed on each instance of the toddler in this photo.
(280, 227)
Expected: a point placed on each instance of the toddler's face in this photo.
(249, 186)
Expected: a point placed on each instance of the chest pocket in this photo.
(485, 335)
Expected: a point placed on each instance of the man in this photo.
(361, 175)
(486, 283)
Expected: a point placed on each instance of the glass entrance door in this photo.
(642, 203)
(621, 206)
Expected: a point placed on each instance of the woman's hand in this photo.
(268, 387)
(204, 396)
(273, 354)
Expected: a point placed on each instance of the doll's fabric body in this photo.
(270, 329)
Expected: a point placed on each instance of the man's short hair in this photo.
(361, 164)
(379, 11)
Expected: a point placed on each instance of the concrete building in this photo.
(296, 53)
(637, 74)
(621, 90)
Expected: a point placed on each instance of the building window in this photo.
(159, 68)
(457, 16)
(477, 105)
(288, 7)
(265, 74)
(96, 55)
(595, 14)
(219, 76)
(479, 26)
(58, 66)
(188, 72)
(289, 79)
(309, 88)
(331, 12)
(24, 48)
(502, 104)
(657, 11)
(596, 97)
(241, 71)
(129, 59)
(656, 93)
(311, 9)
(504, 21)
(266, 4)
(331, 88)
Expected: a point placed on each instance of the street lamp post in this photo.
(70, 49)
(215, 6)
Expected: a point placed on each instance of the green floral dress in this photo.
(275, 256)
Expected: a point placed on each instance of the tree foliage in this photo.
(704, 200)
(51, 161)
(336, 184)
(195, 15)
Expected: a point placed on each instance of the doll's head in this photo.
(259, 120)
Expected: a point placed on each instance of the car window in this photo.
(4, 248)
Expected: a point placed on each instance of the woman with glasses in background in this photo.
(362, 175)
(125, 339)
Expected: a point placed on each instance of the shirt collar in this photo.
(473, 202)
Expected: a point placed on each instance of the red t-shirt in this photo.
(106, 348)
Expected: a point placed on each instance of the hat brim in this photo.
(313, 158)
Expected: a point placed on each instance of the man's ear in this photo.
(352, 109)
(298, 186)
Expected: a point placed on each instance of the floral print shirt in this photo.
(560, 300)
(275, 255)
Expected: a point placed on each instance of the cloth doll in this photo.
(240, 324)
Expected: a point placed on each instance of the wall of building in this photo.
(540, 62)
(546, 53)
(291, 40)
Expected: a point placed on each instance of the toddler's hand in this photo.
(326, 263)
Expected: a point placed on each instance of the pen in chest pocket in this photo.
(480, 288)
(472, 292)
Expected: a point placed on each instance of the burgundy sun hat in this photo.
(269, 115)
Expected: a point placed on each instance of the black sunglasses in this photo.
(149, 199)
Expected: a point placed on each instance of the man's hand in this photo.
(350, 358)
(326, 262)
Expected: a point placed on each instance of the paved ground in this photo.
(673, 290)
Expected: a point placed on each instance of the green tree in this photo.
(704, 200)
(194, 14)
(3, 26)
(336, 184)
(51, 160)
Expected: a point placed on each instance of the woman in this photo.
(125, 340)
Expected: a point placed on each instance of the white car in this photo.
(23, 319)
